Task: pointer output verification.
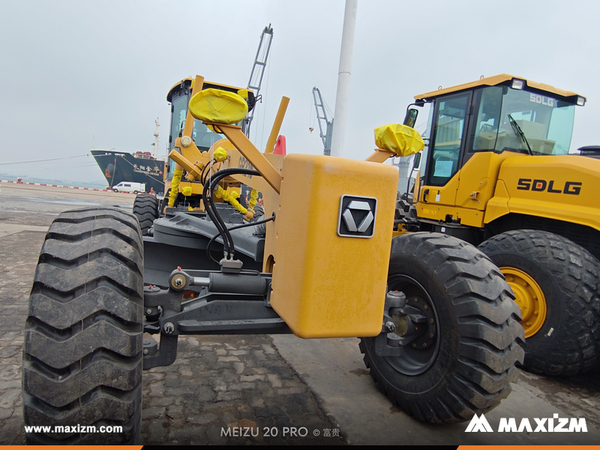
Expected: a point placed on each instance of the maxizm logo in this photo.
(554, 424)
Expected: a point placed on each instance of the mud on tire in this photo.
(82, 361)
(477, 334)
(145, 208)
(568, 342)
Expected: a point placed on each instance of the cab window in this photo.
(488, 119)
(450, 114)
(522, 121)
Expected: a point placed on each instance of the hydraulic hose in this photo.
(228, 244)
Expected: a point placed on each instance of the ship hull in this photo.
(122, 166)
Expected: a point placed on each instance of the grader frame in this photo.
(438, 324)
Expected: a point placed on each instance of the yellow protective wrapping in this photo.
(399, 139)
(220, 154)
(175, 186)
(215, 105)
(253, 199)
(231, 197)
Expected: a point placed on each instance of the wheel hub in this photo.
(529, 297)
(415, 323)
(410, 340)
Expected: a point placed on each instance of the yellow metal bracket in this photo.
(380, 155)
(182, 161)
(277, 124)
(251, 153)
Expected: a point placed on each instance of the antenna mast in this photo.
(156, 137)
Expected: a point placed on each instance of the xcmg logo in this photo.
(245, 164)
(570, 187)
(554, 424)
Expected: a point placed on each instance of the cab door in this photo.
(447, 147)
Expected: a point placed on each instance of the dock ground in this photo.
(276, 384)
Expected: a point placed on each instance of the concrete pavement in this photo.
(273, 384)
(335, 372)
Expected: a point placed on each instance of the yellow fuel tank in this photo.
(333, 237)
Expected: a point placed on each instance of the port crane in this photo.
(258, 70)
(324, 122)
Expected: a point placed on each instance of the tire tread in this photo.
(489, 335)
(575, 346)
(82, 361)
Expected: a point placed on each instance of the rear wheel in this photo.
(82, 361)
(145, 208)
(455, 341)
(557, 285)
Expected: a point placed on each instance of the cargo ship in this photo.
(139, 167)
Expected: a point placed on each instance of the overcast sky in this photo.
(77, 75)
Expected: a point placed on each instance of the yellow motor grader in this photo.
(437, 322)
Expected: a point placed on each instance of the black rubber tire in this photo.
(145, 208)
(569, 341)
(479, 336)
(82, 359)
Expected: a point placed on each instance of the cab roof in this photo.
(500, 80)
(206, 85)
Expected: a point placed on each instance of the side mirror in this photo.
(417, 161)
(411, 117)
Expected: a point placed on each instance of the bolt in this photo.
(178, 281)
(431, 320)
(424, 344)
(146, 351)
(414, 345)
(430, 335)
(169, 328)
(425, 307)
(148, 311)
(390, 327)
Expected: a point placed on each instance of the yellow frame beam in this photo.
(380, 156)
(251, 153)
(277, 124)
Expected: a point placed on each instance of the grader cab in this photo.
(437, 322)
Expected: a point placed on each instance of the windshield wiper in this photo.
(517, 129)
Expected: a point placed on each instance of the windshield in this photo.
(527, 122)
(201, 134)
